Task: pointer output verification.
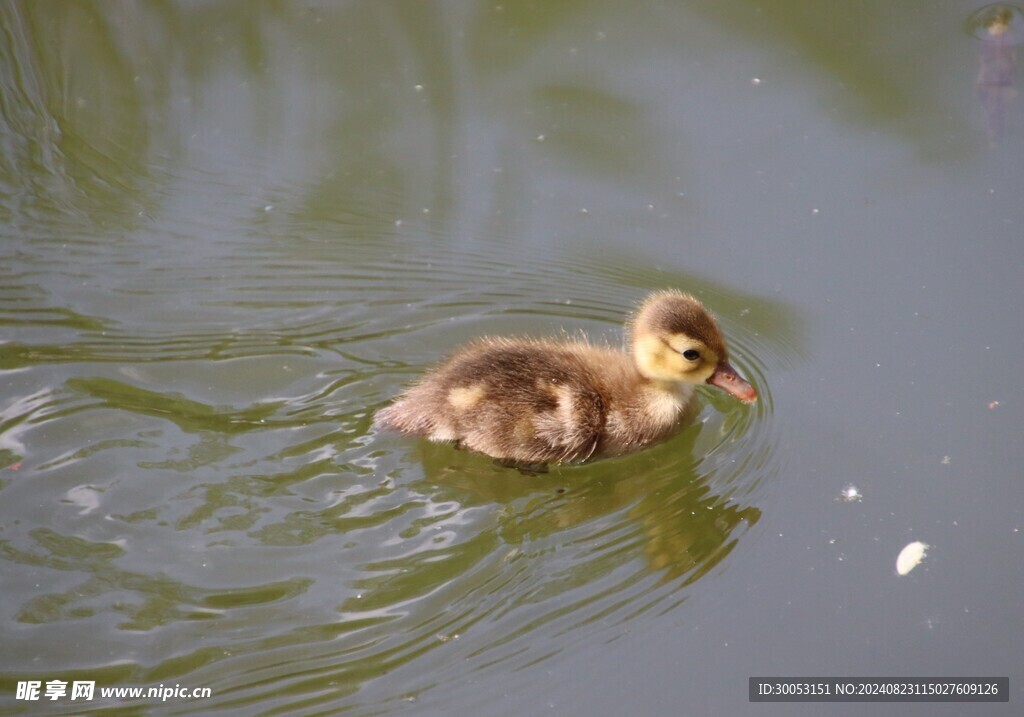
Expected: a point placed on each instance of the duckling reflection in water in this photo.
(530, 402)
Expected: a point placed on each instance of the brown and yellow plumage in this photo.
(539, 401)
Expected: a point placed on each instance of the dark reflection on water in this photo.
(998, 27)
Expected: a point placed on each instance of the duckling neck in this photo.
(664, 401)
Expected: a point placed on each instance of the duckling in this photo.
(537, 401)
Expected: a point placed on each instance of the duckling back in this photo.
(519, 400)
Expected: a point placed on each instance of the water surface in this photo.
(232, 231)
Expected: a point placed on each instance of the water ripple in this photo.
(243, 438)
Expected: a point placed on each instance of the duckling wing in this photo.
(572, 423)
(533, 402)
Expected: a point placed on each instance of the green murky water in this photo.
(232, 231)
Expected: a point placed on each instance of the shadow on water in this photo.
(673, 513)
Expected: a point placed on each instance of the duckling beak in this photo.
(727, 379)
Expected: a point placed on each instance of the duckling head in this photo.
(675, 339)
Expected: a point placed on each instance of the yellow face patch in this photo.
(674, 358)
(697, 356)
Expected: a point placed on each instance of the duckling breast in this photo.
(651, 414)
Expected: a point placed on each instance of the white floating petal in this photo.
(911, 556)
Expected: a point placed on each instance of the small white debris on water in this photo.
(911, 556)
(946, 460)
(85, 497)
(850, 494)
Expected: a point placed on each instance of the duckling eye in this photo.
(691, 354)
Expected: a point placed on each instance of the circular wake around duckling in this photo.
(528, 401)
